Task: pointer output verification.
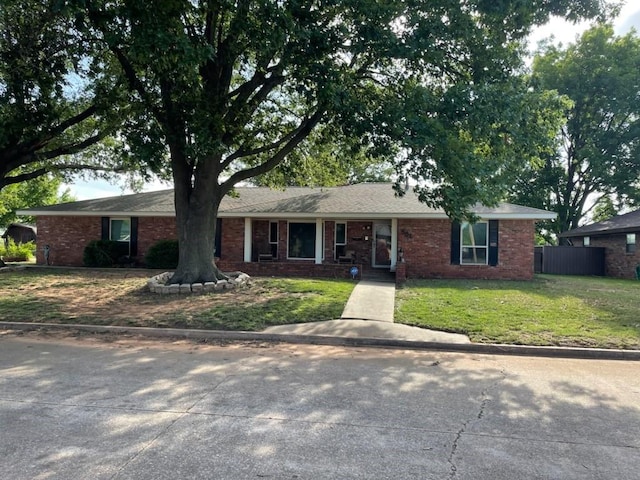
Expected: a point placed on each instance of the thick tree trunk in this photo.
(196, 214)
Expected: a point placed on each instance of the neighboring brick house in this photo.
(319, 232)
(618, 236)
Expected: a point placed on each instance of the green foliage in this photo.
(598, 149)
(102, 253)
(59, 95)
(604, 210)
(20, 252)
(224, 92)
(328, 158)
(162, 254)
(31, 193)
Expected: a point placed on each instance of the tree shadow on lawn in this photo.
(312, 412)
(106, 298)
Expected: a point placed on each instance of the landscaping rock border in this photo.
(158, 284)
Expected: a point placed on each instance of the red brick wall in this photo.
(294, 268)
(232, 239)
(329, 238)
(260, 241)
(66, 237)
(153, 229)
(426, 246)
(618, 263)
(357, 231)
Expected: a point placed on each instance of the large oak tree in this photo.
(230, 88)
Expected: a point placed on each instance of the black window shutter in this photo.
(455, 243)
(105, 228)
(493, 242)
(133, 244)
(218, 238)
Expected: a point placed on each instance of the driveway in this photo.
(128, 408)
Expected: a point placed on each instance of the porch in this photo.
(319, 247)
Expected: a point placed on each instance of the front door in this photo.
(382, 245)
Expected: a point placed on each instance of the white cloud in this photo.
(566, 32)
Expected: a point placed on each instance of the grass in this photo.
(120, 297)
(550, 310)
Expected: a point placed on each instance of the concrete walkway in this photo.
(371, 300)
(369, 313)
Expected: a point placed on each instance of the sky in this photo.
(562, 32)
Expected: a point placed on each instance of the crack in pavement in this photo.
(483, 405)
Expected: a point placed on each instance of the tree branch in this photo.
(300, 134)
(256, 151)
(54, 168)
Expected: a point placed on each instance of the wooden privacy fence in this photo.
(569, 260)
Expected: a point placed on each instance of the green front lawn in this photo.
(550, 310)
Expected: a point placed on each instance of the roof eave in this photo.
(333, 215)
(97, 213)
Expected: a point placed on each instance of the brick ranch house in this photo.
(618, 236)
(321, 232)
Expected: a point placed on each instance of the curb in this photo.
(481, 348)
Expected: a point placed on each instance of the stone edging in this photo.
(157, 284)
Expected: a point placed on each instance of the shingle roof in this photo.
(365, 200)
(629, 222)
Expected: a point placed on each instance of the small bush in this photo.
(163, 254)
(102, 253)
(17, 252)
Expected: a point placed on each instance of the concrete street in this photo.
(116, 407)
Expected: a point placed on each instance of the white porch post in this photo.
(319, 241)
(248, 234)
(394, 244)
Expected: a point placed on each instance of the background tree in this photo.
(598, 154)
(44, 190)
(58, 96)
(328, 158)
(231, 88)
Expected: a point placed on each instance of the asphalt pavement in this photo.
(118, 407)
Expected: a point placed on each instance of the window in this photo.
(273, 238)
(586, 241)
(341, 239)
(273, 232)
(631, 242)
(474, 243)
(120, 231)
(302, 240)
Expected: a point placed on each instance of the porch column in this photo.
(319, 242)
(394, 244)
(248, 234)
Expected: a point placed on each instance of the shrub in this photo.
(102, 253)
(162, 254)
(17, 252)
